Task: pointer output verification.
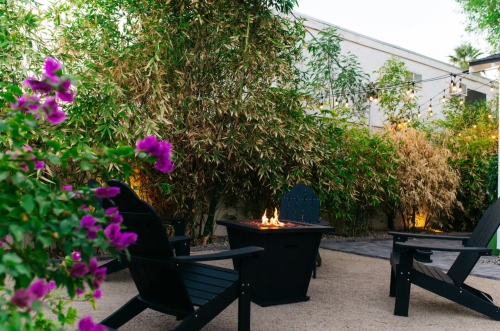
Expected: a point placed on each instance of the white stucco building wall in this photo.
(373, 53)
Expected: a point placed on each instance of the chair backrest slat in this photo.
(300, 205)
(482, 235)
(156, 282)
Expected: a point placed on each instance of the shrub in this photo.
(45, 215)
(427, 184)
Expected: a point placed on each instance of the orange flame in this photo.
(273, 221)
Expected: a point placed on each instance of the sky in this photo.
(429, 27)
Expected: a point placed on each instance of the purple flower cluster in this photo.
(27, 104)
(114, 216)
(117, 238)
(80, 269)
(38, 164)
(37, 290)
(52, 80)
(107, 192)
(86, 324)
(88, 222)
(161, 149)
(2, 241)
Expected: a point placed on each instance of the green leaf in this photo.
(28, 203)
(54, 159)
(11, 259)
(54, 144)
(85, 166)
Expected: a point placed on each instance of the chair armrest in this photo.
(443, 248)
(235, 253)
(179, 224)
(405, 236)
(180, 240)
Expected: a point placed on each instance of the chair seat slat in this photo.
(198, 269)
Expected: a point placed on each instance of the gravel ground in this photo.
(350, 293)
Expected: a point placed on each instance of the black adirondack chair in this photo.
(129, 201)
(301, 204)
(406, 271)
(178, 286)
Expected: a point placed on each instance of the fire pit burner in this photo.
(282, 273)
(286, 224)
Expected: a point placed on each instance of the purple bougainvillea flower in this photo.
(116, 218)
(79, 269)
(24, 167)
(2, 241)
(125, 239)
(165, 166)
(67, 96)
(39, 165)
(26, 105)
(38, 86)
(111, 211)
(23, 298)
(113, 231)
(67, 188)
(52, 285)
(93, 264)
(76, 256)
(88, 221)
(99, 276)
(97, 294)
(148, 144)
(65, 84)
(28, 147)
(80, 291)
(51, 68)
(86, 324)
(164, 149)
(39, 288)
(107, 192)
(92, 232)
(84, 207)
(52, 111)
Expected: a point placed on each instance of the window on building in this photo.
(473, 96)
(415, 77)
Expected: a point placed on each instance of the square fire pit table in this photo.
(282, 273)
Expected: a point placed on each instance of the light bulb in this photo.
(371, 97)
(461, 101)
(412, 94)
(336, 102)
(321, 107)
(475, 126)
(443, 100)
(347, 103)
(418, 114)
(491, 88)
(459, 134)
(489, 115)
(407, 91)
(460, 88)
(430, 107)
(431, 114)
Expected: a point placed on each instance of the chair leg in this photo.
(319, 261)
(244, 298)
(184, 249)
(403, 286)
(128, 311)
(394, 283)
(314, 272)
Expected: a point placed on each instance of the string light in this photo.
(489, 116)
(418, 114)
(443, 100)
(475, 126)
(491, 88)
(408, 91)
(460, 86)
(347, 101)
(461, 101)
(430, 105)
(336, 102)
(371, 97)
(376, 97)
(453, 86)
(412, 94)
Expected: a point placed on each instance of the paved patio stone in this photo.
(382, 248)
